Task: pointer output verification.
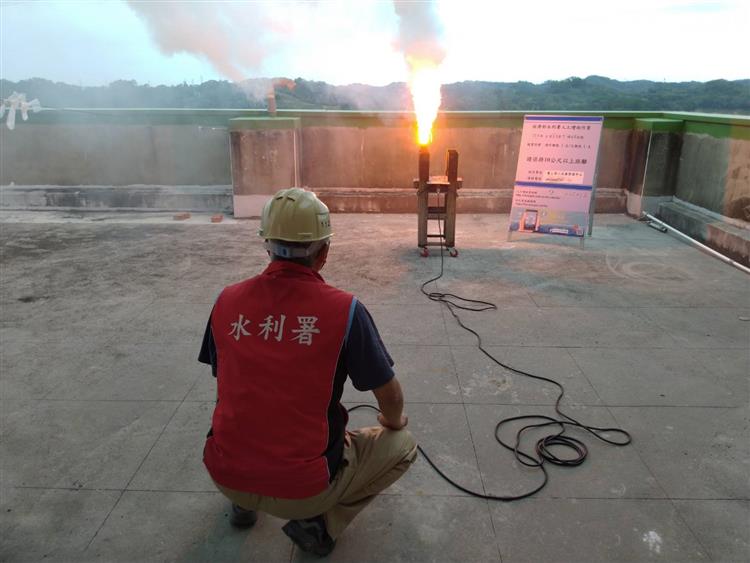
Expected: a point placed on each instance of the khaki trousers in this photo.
(374, 458)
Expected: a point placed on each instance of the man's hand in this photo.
(388, 424)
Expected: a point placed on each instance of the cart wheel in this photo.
(453, 252)
(424, 253)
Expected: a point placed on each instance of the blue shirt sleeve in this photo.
(368, 363)
(207, 354)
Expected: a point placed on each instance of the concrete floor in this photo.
(104, 407)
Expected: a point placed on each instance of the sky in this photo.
(355, 41)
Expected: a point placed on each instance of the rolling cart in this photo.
(445, 191)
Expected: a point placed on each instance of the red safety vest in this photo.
(278, 337)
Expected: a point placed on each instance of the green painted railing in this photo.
(716, 125)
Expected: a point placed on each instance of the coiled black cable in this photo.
(542, 449)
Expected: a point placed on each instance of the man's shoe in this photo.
(310, 535)
(242, 518)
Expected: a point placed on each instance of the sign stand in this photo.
(556, 176)
(580, 239)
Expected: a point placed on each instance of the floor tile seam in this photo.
(724, 377)
(634, 446)
(113, 489)
(604, 347)
(54, 400)
(617, 424)
(476, 455)
(586, 377)
(657, 324)
(541, 498)
(494, 531)
(468, 426)
(163, 431)
(471, 436)
(369, 401)
(668, 406)
(481, 404)
(104, 521)
(543, 345)
(679, 516)
(143, 460)
(621, 307)
(455, 495)
(481, 475)
(530, 295)
(687, 347)
(635, 307)
(445, 323)
(717, 407)
(198, 377)
(185, 302)
(445, 328)
(109, 341)
(214, 492)
(706, 499)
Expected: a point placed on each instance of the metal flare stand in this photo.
(446, 186)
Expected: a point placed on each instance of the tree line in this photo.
(591, 93)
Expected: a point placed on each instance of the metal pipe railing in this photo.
(700, 245)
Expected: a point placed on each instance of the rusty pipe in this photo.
(424, 164)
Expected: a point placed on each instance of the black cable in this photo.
(543, 447)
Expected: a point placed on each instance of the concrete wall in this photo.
(367, 162)
(114, 154)
(336, 149)
(714, 173)
(385, 156)
(704, 160)
(737, 192)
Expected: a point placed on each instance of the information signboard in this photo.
(556, 175)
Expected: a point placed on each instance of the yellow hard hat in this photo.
(295, 215)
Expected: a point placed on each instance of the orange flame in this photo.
(424, 83)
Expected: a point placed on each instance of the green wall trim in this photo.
(464, 119)
(660, 125)
(727, 119)
(740, 133)
(198, 117)
(358, 120)
(240, 123)
(718, 130)
(717, 125)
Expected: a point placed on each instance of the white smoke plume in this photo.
(231, 36)
(237, 38)
(420, 32)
